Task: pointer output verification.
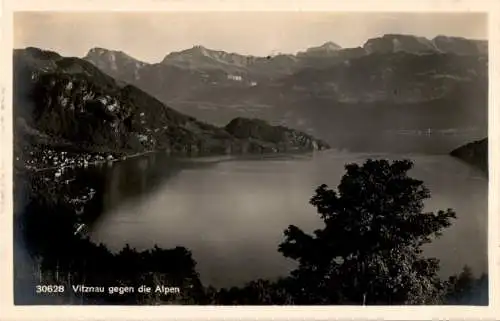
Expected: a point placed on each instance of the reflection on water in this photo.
(119, 183)
(232, 212)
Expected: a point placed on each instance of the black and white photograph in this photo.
(246, 158)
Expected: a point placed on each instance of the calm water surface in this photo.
(231, 213)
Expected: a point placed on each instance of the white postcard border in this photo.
(8, 311)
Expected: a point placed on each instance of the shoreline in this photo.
(93, 163)
(206, 158)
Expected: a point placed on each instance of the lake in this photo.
(231, 212)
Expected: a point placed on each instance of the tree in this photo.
(466, 289)
(369, 251)
(258, 292)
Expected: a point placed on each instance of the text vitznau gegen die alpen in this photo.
(111, 290)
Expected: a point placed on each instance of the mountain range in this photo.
(253, 68)
(393, 82)
(355, 98)
(68, 112)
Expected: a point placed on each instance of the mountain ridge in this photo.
(329, 53)
(67, 105)
(408, 82)
(230, 68)
(440, 39)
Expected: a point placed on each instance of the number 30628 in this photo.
(49, 288)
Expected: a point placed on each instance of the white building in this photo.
(234, 77)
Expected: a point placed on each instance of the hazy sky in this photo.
(150, 36)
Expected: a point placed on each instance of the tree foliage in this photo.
(369, 251)
(465, 289)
